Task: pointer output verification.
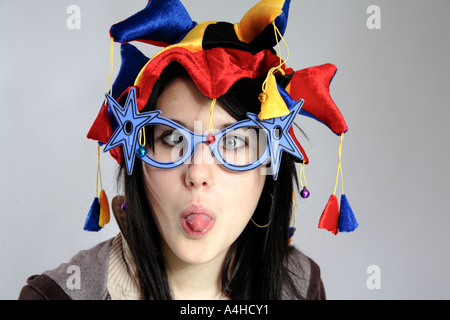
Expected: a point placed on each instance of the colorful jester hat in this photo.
(216, 55)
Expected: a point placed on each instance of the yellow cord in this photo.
(277, 32)
(99, 172)
(211, 110)
(302, 172)
(277, 68)
(339, 170)
(142, 141)
(110, 68)
(108, 89)
(294, 209)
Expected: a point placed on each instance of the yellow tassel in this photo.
(104, 209)
(104, 215)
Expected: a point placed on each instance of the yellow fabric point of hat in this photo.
(272, 104)
(192, 42)
(257, 19)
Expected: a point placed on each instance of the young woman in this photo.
(230, 254)
(207, 156)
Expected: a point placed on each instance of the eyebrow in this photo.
(181, 123)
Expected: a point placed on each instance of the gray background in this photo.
(392, 87)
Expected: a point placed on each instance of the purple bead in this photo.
(304, 193)
(123, 206)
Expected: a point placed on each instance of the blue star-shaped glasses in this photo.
(243, 146)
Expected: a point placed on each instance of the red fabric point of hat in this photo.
(101, 130)
(312, 84)
(330, 216)
(305, 157)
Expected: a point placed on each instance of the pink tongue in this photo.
(198, 222)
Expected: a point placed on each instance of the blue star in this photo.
(279, 139)
(130, 123)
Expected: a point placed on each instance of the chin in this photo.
(196, 252)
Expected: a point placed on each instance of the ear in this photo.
(256, 27)
(161, 22)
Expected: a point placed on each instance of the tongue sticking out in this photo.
(198, 222)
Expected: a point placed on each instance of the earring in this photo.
(260, 226)
(270, 221)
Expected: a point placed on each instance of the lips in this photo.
(197, 221)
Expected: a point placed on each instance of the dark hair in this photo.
(255, 266)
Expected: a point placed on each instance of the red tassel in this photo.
(330, 216)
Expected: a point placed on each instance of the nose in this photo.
(200, 169)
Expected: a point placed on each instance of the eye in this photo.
(233, 142)
(173, 138)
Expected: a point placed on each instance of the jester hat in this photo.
(216, 55)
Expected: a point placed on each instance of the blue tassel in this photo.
(347, 220)
(93, 217)
(291, 233)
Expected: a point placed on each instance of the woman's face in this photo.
(200, 207)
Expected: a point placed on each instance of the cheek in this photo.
(162, 189)
(160, 184)
(240, 196)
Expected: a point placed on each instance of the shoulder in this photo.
(305, 276)
(83, 277)
(42, 287)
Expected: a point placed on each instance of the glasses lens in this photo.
(165, 144)
(243, 146)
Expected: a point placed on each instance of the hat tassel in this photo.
(347, 220)
(333, 218)
(99, 214)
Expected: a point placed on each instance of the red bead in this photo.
(210, 139)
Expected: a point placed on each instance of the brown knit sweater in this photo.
(107, 271)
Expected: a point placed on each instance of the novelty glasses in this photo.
(242, 146)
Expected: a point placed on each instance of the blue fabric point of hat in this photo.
(347, 220)
(133, 61)
(165, 21)
(286, 97)
(93, 217)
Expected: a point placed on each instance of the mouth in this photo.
(197, 221)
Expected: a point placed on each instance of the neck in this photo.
(194, 281)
